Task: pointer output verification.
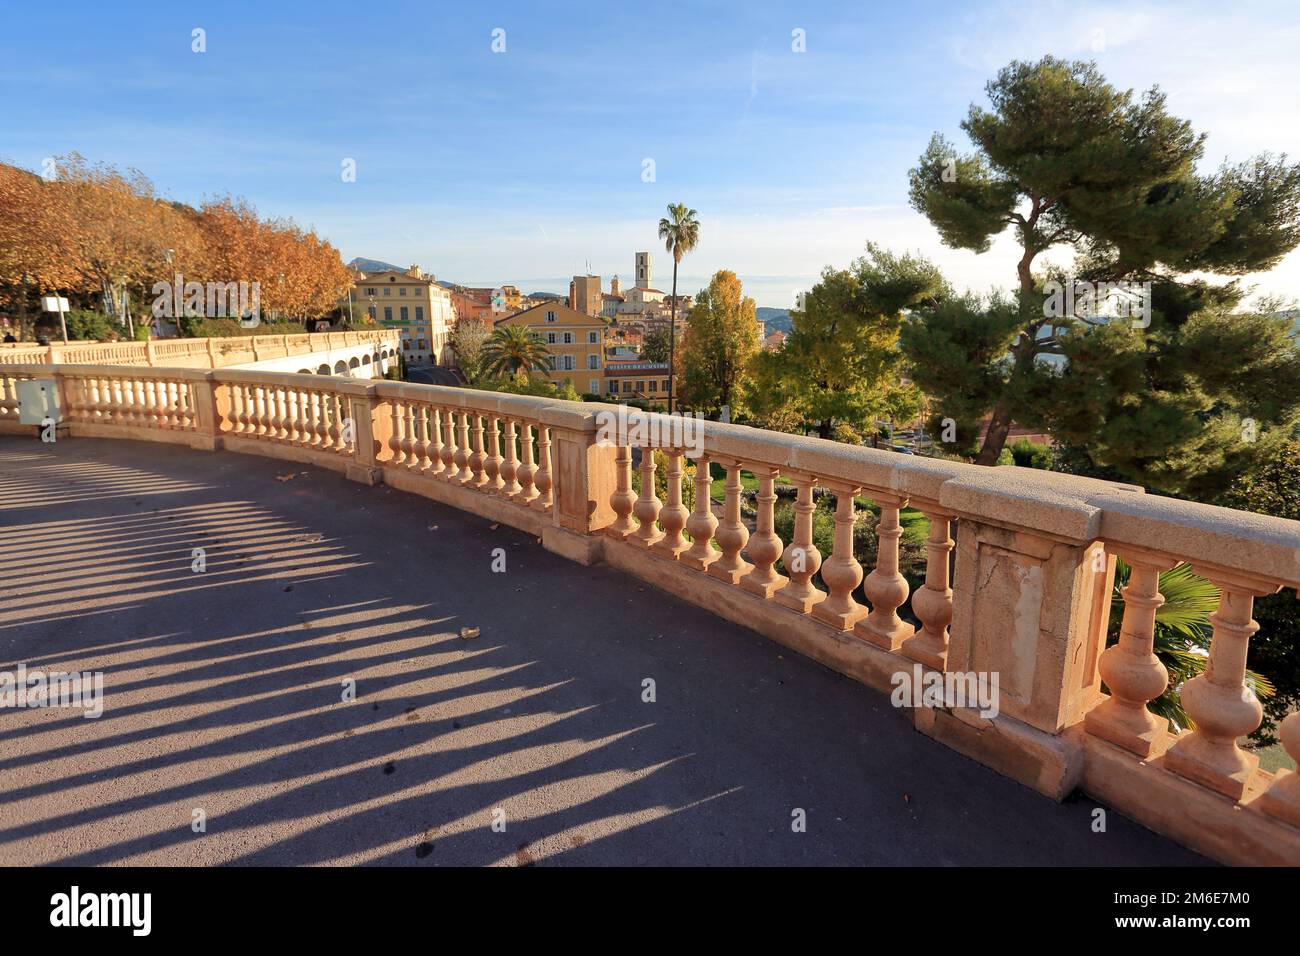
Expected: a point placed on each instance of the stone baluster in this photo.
(885, 587)
(434, 415)
(527, 472)
(510, 465)
(841, 573)
(1220, 704)
(448, 452)
(1282, 798)
(425, 448)
(623, 497)
(647, 506)
(478, 460)
(301, 433)
(463, 474)
(151, 417)
(492, 464)
(543, 479)
(281, 398)
(410, 439)
(801, 557)
(265, 412)
(702, 523)
(765, 545)
(333, 420)
(673, 517)
(933, 603)
(397, 455)
(1132, 672)
(732, 535)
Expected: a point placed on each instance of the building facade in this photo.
(415, 305)
(576, 342)
(637, 381)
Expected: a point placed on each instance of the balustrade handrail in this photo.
(1030, 596)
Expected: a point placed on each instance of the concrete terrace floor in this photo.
(223, 694)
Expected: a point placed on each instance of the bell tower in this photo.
(644, 271)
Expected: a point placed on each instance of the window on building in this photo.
(555, 363)
(654, 385)
(402, 291)
(592, 338)
(388, 290)
(550, 338)
(406, 344)
(568, 338)
(421, 344)
(419, 313)
(627, 385)
(405, 313)
(372, 292)
(550, 316)
(569, 364)
(593, 361)
(613, 386)
(388, 313)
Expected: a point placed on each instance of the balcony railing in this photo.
(191, 353)
(1018, 572)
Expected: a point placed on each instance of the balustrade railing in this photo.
(1015, 578)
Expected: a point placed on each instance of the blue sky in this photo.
(525, 166)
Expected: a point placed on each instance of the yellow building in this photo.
(417, 306)
(637, 381)
(576, 342)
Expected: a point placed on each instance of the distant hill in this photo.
(546, 295)
(374, 265)
(774, 320)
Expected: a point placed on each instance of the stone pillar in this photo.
(370, 423)
(801, 557)
(933, 603)
(764, 546)
(582, 479)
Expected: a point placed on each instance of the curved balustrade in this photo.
(1018, 565)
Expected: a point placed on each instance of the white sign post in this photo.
(57, 303)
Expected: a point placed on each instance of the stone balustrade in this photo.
(195, 353)
(1018, 572)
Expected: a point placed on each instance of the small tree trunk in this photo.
(672, 336)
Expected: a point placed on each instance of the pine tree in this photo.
(1063, 158)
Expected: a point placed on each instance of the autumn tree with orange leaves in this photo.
(91, 227)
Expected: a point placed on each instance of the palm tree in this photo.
(1182, 634)
(513, 349)
(680, 232)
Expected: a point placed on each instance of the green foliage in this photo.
(1062, 157)
(655, 346)
(840, 362)
(1182, 406)
(1028, 454)
(533, 385)
(514, 351)
(90, 325)
(720, 344)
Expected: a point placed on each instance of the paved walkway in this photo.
(223, 696)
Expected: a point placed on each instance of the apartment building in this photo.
(417, 306)
(576, 342)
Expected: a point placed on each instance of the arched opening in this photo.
(354, 362)
(304, 371)
(365, 360)
(323, 370)
(340, 367)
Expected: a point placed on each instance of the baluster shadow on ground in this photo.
(223, 693)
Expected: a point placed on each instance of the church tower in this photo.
(644, 271)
